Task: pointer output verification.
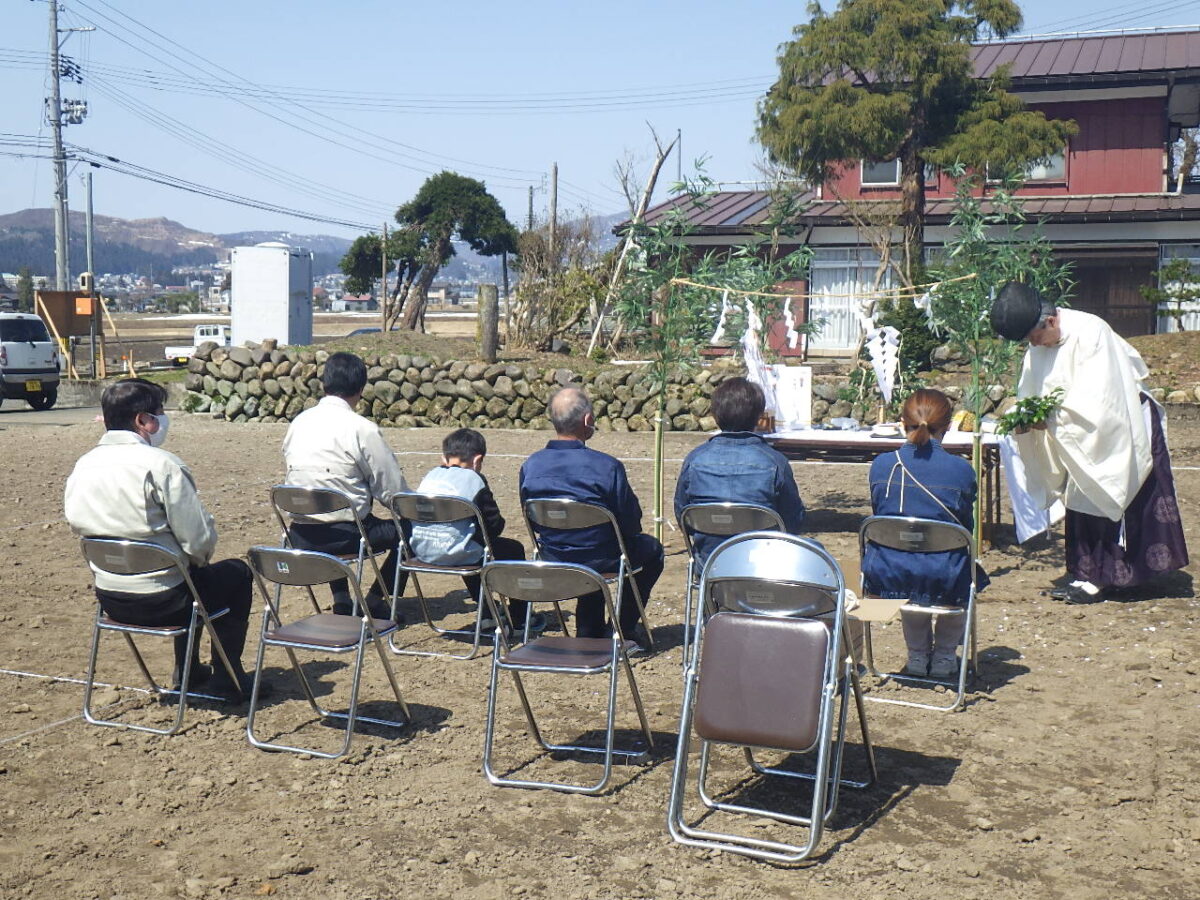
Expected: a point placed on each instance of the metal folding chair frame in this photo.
(918, 535)
(305, 568)
(547, 582)
(438, 509)
(722, 520)
(838, 677)
(299, 500)
(124, 557)
(566, 514)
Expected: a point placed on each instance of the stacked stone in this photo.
(267, 384)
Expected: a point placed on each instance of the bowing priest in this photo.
(1103, 450)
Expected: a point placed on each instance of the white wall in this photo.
(271, 294)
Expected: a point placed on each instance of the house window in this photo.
(887, 174)
(881, 173)
(1053, 169)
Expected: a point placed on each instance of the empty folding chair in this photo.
(437, 509)
(769, 671)
(718, 520)
(545, 582)
(913, 535)
(291, 500)
(121, 557)
(319, 632)
(565, 514)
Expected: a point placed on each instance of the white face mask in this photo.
(164, 425)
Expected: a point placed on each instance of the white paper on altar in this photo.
(793, 396)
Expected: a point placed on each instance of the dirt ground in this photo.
(1070, 774)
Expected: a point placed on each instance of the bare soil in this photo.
(1070, 774)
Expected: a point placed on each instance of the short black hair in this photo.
(122, 401)
(464, 444)
(345, 375)
(738, 404)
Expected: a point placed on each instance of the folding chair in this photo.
(545, 582)
(121, 557)
(766, 674)
(298, 501)
(437, 509)
(913, 535)
(565, 514)
(317, 633)
(722, 520)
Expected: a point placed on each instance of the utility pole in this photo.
(383, 294)
(91, 267)
(62, 266)
(679, 155)
(553, 257)
(74, 112)
(529, 215)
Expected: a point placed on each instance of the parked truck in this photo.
(220, 334)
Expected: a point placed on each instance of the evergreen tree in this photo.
(893, 79)
(25, 290)
(449, 205)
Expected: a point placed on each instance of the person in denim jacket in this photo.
(737, 465)
(923, 480)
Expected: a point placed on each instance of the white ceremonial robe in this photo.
(1094, 453)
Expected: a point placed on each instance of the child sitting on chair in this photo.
(923, 480)
(457, 543)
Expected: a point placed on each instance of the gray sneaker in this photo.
(943, 666)
(917, 665)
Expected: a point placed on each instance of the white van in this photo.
(28, 361)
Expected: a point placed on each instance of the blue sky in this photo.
(343, 109)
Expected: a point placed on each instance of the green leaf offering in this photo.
(1030, 412)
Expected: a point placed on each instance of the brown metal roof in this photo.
(1119, 54)
(738, 212)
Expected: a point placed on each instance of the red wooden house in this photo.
(1111, 201)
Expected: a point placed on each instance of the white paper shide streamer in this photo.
(719, 334)
(883, 346)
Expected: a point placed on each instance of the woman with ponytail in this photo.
(923, 480)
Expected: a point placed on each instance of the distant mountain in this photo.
(327, 250)
(142, 246)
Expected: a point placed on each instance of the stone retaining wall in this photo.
(265, 384)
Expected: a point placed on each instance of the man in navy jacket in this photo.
(737, 465)
(568, 468)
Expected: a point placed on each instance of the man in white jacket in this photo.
(128, 487)
(332, 446)
(1102, 451)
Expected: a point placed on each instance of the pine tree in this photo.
(893, 79)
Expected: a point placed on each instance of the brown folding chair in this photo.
(323, 633)
(767, 674)
(915, 535)
(298, 501)
(722, 520)
(546, 582)
(438, 509)
(121, 557)
(565, 514)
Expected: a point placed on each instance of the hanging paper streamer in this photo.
(925, 301)
(789, 322)
(719, 334)
(883, 346)
(756, 368)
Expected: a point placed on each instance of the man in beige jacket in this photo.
(128, 487)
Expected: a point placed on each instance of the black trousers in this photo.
(342, 537)
(590, 619)
(228, 583)
(503, 548)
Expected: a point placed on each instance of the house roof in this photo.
(739, 212)
(1143, 53)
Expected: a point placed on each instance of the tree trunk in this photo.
(418, 296)
(912, 212)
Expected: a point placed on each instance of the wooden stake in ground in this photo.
(488, 317)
